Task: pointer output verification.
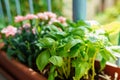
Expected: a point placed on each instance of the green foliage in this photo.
(65, 50)
(81, 69)
(111, 30)
(74, 48)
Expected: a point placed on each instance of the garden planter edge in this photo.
(18, 70)
(110, 70)
(21, 72)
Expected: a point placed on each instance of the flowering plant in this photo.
(20, 41)
(61, 49)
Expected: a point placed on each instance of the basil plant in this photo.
(69, 52)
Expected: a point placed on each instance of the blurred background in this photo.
(99, 10)
(105, 12)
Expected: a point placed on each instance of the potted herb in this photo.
(59, 49)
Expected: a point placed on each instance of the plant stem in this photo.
(93, 62)
(65, 68)
(61, 77)
(60, 74)
(21, 24)
(31, 23)
(64, 71)
(68, 69)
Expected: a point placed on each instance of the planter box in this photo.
(4, 75)
(17, 70)
(14, 70)
(110, 69)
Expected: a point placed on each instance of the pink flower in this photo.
(19, 18)
(9, 30)
(30, 16)
(26, 27)
(62, 19)
(50, 14)
(52, 20)
(42, 16)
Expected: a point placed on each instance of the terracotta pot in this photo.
(17, 70)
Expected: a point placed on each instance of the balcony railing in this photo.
(79, 9)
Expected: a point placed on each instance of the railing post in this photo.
(49, 5)
(17, 2)
(31, 6)
(1, 11)
(8, 10)
(79, 10)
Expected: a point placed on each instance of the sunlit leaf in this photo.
(105, 54)
(45, 42)
(56, 60)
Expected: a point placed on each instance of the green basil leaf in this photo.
(74, 51)
(56, 60)
(102, 64)
(105, 54)
(80, 70)
(72, 43)
(42, 60)
(45, 42)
